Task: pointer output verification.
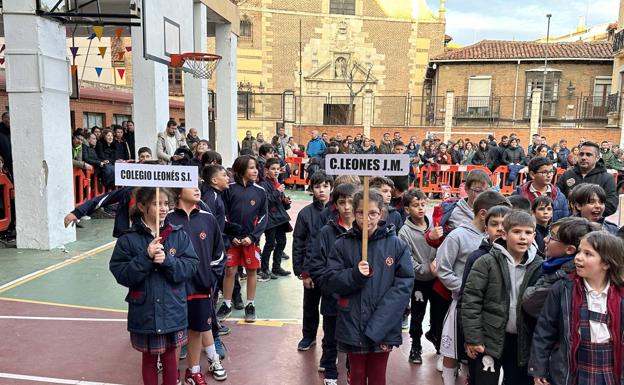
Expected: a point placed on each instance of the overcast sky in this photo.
(469, 21)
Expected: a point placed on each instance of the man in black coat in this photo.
(590, 169)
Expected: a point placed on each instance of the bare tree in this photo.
(356, 84)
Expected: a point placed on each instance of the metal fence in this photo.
(260, 106)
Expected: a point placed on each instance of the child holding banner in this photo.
(371, 294)
(155, 269)
(246, 215)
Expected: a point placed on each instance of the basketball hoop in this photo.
(200, 65)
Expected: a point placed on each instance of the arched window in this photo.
(246, 28)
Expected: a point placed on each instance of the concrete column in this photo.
(449, 110)
(536, 99)
(37, 82)
(196, 90)
(289, 111)
(367, 119)
(226, 124)
(150, 95)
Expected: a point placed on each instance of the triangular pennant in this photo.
(118, 31)
(91, 36)
(128, 48)
(1, 60)
(121, 72)
(119, 56)
(102, 51)
(3, 47)
(74, 69)
(74, 51)
(99, 71)
(99, 31)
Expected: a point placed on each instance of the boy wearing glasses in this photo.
(542, 173)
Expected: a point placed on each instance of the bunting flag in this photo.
(1, 60)
(74, 69)
(99, 31)
(91, 36)
(128, 48)
(2, 48)
(98, 70)
(121, 72)
(118, 31)
(74, 51)
(119, 56)
(102, 51)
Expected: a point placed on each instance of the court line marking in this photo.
(51, 380)
(33, 318)
(39, 273)
(62, 305)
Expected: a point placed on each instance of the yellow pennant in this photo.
(102, 51)
(99, 31)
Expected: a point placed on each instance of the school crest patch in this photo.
(389, 261)
(252, 202)
(172, 251)
(570, 182)
(202, 235)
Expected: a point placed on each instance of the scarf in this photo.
(555, 263)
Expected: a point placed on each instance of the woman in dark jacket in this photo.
(89, 155)
(481, 157)
(107, 153)
(155, 271)
(513, 154)
(456, 154)
(372, 295)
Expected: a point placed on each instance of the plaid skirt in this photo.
(158, 343)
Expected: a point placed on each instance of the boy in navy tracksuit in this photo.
(316, 265)
(309, 222)
(385, 186)
(203, 229)
(278, 224)
(246, 216)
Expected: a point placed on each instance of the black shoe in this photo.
(242, 275)
(237, 303)
(415, 356)
(263, 276)
(250, 313)
(272, 275)
(305, 344)
(280, 272)
(223, 330)
(285, 256)
(223, 312)
(431, 338)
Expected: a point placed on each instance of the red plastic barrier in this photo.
(81, 186)
(445, 178)
(8, 195)
(500, 178)
(298, 174)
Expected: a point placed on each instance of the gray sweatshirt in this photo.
(452, 255)
(462, 213)
(422, 253)
(516, 276)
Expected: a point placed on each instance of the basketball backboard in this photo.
(167, 28)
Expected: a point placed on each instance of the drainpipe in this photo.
(513, 117)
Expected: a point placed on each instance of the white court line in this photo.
(51, 380)
(62, 318)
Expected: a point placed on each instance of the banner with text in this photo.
(154, 175)
(367, 164)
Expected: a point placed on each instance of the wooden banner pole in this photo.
(365, 221)
(157, 212)
(621, 215)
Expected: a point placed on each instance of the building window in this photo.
(602, 90)
(246, 28)
(175, 81)
(118, 119)
(479, 91)
(338, 114)
(90, 119)
(342, 7)
(550, 91)
(245, 104)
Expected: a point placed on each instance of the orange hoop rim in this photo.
(177, 60)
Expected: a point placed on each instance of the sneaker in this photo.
(330, 381)
(305, 344)
(224, 330)
(183, 352)
(263, 276)
(272, 275)
(405, 324)
(250, 313)
(218, 373)
(285, 256)
(224, 312)
(415, 356)
(237, 303)
(280, 272)
(178, 381)
(242, 275)
(219, 347)
(194, 378)
(440, 363)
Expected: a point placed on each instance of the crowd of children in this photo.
(523, 288)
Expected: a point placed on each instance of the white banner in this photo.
(155, 175)
(367, 164)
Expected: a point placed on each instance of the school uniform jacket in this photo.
(370, 308)
(307, 226)
(245, 211)
(275, 205)
(157, 293)
(316, 263)
(203, 229)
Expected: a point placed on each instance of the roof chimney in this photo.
(442, 11)
(581, 25)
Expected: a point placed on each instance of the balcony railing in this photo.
(618, 41)
(477, 107)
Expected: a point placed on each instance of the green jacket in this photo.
(486, 302)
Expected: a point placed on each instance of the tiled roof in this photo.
(498, 50)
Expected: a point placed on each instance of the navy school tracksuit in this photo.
(308, 224)
(316, 265)
(278, 225)
(121, 196)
